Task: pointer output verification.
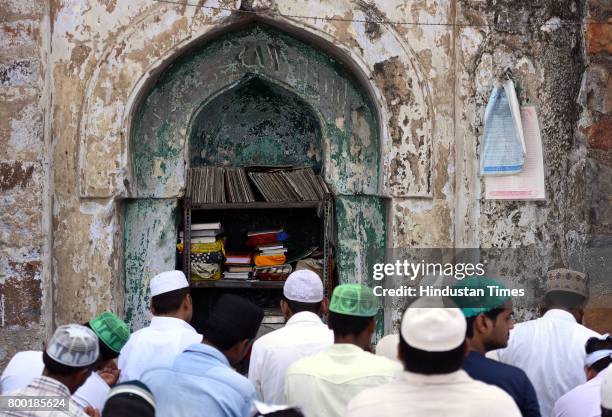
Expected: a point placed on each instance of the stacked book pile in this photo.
(270, 259)
(238, 266)
(206, 185)
(288, 184)
(207, 251)
(237, 187)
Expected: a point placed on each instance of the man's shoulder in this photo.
(307, 364)
(506, 369)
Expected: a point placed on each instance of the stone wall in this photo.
(72, 74)
(25, 291)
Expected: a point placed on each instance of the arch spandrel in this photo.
(128, 66)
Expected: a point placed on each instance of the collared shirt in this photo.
(25, 366)
(155, 346)
(551, 352)
(45, 386)
(200, 382)
(582, 401)
(449, 395)
(303, 335)
(511, 379)
(323, 384)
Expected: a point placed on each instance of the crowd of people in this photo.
(459, 358)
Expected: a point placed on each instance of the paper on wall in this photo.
(528, 184)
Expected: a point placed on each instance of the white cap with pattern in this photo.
(73, 345)
(433, 329)
(168, 281)
(304, 286)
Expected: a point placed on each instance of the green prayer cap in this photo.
(354, 300)
(477, 297)
(111, 330)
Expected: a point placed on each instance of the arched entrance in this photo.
(329, 124)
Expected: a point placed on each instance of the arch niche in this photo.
(191, 116)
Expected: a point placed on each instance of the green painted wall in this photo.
(150, 232)
(256, 123)
(307, 110)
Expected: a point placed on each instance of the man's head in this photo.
(598, 355)
(232, 326)
(432, 339)
(606, 395)
(113, 333)
(303, 291)
(351, 314)
(170, 296)
(566, 290)
(71, 355)
(489, 315)
(128, 399)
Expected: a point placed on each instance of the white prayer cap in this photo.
(304, 286)
(168, 281)
(387, 346)
(606, 389)
(433, 329)
(73, 345)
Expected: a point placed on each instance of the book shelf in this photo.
(307, 213)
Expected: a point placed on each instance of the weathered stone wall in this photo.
(25, 292)
(430, 85)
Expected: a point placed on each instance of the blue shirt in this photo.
(511, 379)
(200, 382)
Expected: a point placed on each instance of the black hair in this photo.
(218, 335)
(56, 368)
(606, 412)
(345, 325)
(127, 405)
(106, 353)
(169, 302)
(431, 363)
(492, 314)
(298, 306)
(593, 345)
(564, 299)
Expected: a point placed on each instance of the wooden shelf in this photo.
(258, 205)
(223, 283)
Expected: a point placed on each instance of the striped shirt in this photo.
(46, 387)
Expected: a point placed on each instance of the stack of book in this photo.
(203, 232)
(206, 184)
(238, 266)
(288, 184)
(270, 258)
(237, 187)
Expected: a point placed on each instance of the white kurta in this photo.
(155, 346)
(450, 395)
(582, 401)
(303, 335)
(551, 352)
(28, 365)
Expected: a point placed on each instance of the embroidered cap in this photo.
(304, 286)
(568, 281)
(354, 300)
(168, 281)
(73, 345)
(111, 330)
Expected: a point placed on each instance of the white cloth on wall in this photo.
(155, 346)
(303, 335)
(551, 351)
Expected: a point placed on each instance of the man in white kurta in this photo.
(551, 349)
(169, 332)
(432, 341)
(303, 335)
